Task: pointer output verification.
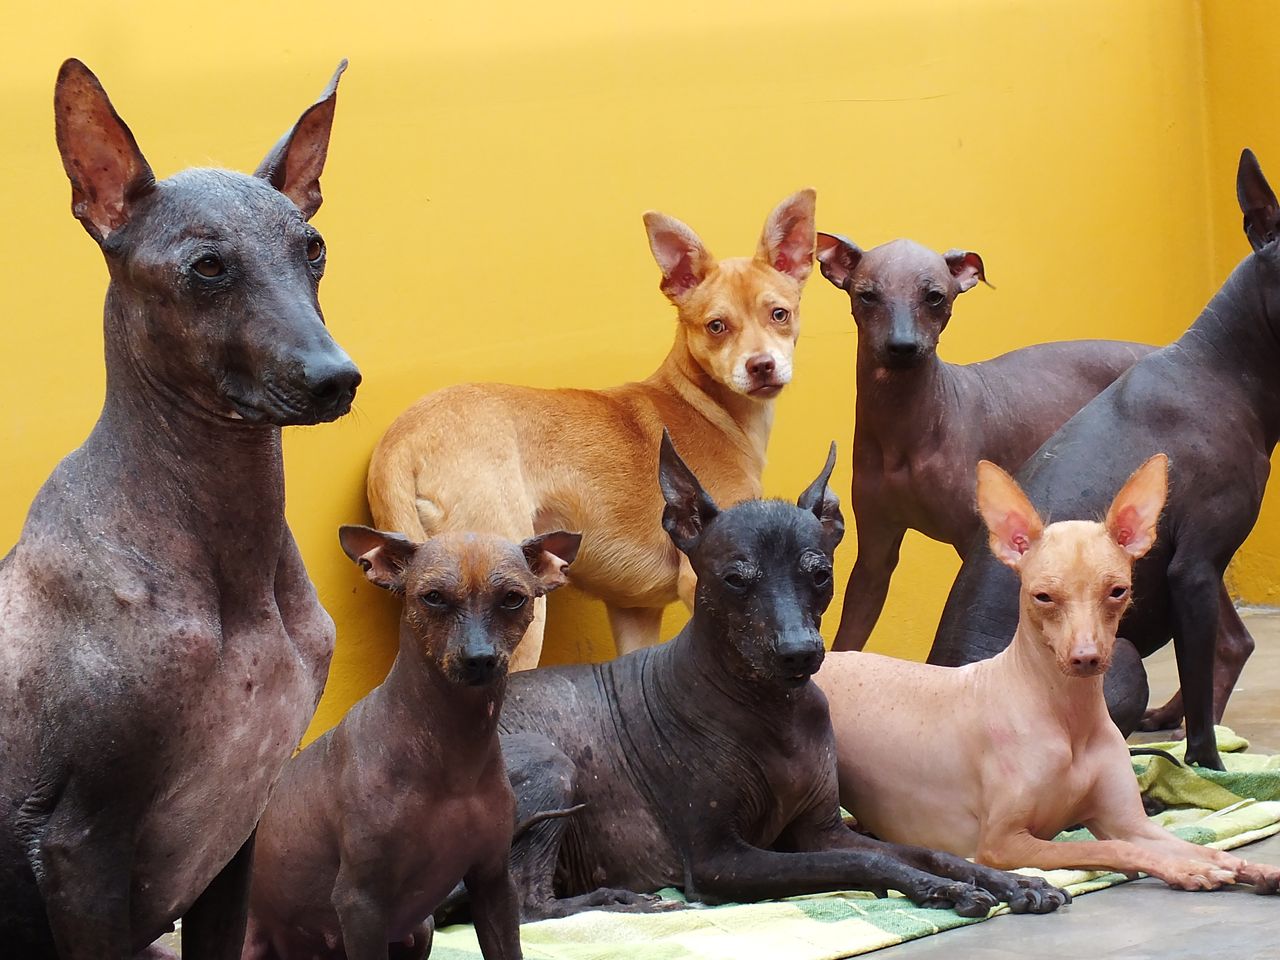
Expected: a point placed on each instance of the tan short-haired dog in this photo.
(1027, 747)
(516, 461)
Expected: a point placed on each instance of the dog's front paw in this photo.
(1262, 876)
(966, 899)
(1037, 895)
(1195, 875)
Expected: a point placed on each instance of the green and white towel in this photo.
(1220, 809)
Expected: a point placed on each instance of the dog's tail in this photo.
(393, 490)
(542, 815)
(1154, 752)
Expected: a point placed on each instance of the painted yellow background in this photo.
(490, 163)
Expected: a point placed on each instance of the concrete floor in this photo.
(1145, 920)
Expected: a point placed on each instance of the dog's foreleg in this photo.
(213, 929)
(495, 911)
(634, 627)
(868, 587)
(1194, 588)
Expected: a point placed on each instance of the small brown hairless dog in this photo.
(1028, 748)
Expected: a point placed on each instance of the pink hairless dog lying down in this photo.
(1028, 748)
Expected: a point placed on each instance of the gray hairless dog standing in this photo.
(708, 762)
(161, 647)
(923, 424)
(1211, 401)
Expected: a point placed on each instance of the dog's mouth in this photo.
(1084, 671)
(766, 391)
(279, 409)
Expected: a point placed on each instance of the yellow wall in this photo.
(490, 163)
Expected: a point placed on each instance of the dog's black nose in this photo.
(479, 669)
(333, 386)
(902, 349)
(761, 366)
(800, 660)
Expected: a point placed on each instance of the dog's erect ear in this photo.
(294, 164)
(825, 505)
(549, 556)
(1257, 202)
(1135, 512)
(1012, 522)
(838, 258)
(108, 172)
(966, 267)
(689, 509)
(382, 556)
(683, 259)
(786, 243)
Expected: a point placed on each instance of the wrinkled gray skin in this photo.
(708, 762)
(923, 424)
(161, 647)
(375, 822)
(1211, 401)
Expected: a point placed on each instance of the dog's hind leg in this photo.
(634, 627)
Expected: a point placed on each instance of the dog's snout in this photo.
(1085, 658)
(799, 658)
(902, 349)
(761, 366)
(333, 386)
(479, 668)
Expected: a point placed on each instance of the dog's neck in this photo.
(220, 480)
(744, 421)
(901, 410)
(1235, 337)
(1032, 667)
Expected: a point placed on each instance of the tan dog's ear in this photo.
(382, 556)
(1135, 512)
(787, 241)
(838, 258)
(1011, 520)
(681, 256)
(549, 556)
(294, 164)
(966, 267)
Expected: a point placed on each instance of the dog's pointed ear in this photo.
(108, 172)
(838, 258)
(1257, 202)
(382, 556)
(681, 256)
(689, 509)
(549, 556)
(966, 267)
(1135, 512)
(787, 241)
(295, 163)
(825, 505)
(1012, 522)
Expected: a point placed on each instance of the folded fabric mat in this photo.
(1221, 809)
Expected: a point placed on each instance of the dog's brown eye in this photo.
(735, 581)
(821, 577)
(1043, 598)
(781, 315)
(315, 249)
(514, 600)
(1118, 593)
(716, 327)
(868, 296)
(934, 298)
(434, 598)
(209, 266)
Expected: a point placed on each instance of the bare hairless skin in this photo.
(923, 424)
(373, 824)
(161, 647)
(1028, 748)
(707, 763)
(1211, 401)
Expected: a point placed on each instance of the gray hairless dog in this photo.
(161, 647)
(1211, 400)
(923, 424)
(335, 874)
(708, 762)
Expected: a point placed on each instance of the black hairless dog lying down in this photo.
(336, 873)
(707, 763)
(161, 647)
(1211, 400)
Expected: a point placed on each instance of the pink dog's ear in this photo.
(1135, 511)
(966, 267)
(681, 256)
(787, 241)
(382, 556)
(549, 556)
(1011, 520)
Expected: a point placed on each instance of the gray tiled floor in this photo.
(1145, 920)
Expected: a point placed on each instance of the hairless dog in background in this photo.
(922, 423)
(707, 762)
(161, 647)
(1211, 400)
